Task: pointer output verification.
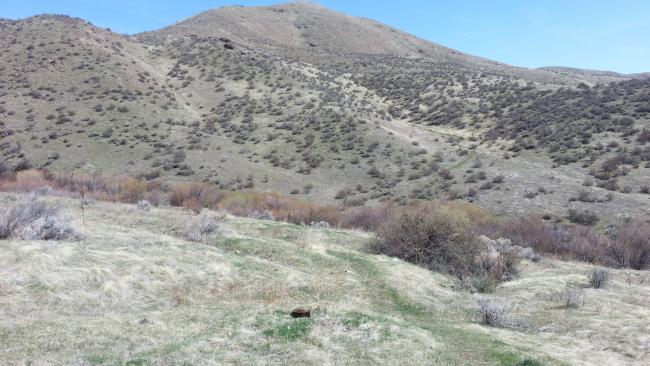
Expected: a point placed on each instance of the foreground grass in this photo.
(135, 293)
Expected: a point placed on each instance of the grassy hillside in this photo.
(135, 292)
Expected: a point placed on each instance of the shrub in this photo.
(144, 205)
(492, 312)
(365, 218)
(195, 196)
(498, 179)
(49, 228)
(630, 247)
(567, 241)
(4, 169)
(585, 196)
(582, 217)
(204, 225)
(36, 220)
(598, 277)
(23, 181)
(497, 267)
(132, 190)
(572, 297)
(433, 237)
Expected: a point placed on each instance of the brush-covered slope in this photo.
(71, 92)
(190, 107)
(315, 34)
(301, 99)
(135, 292)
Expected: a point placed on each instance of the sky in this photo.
(589, 34)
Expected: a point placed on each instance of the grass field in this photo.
(134, 292)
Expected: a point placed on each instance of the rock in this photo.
(300, 313)
(228, 46)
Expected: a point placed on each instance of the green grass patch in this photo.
(290, 331)
(355, 319)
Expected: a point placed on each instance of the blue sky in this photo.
(594, 34)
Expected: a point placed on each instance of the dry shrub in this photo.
(303, 213)
(23, 181)
(598, 277)
(205, 225)
(36, 220)
(433, 237)
(249, 204)
(366, 218)
(195, 196)
(500, 267)
(131, 190)
(630, 247)
(154, 197)
(143, 205)
(565, 241)
(484, 221)
(534, 232)
(572, 297)
(493, 312)
(583, 217)
(5, 170)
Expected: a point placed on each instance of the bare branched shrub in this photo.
(598, 277)
(261, 215)
(630, 247)
(144, 205)
(365, 218)
(498, 267)
(49, 228)
(204, 225)
(572, 297)
(36, 220)
(567, 241)
(433, 237)
(492, 312)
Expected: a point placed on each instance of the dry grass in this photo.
(133, 291)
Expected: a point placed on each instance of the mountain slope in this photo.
(363, 113)
(309, 32)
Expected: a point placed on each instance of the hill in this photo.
(136, 292)
(304, 100)
(309, 32)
